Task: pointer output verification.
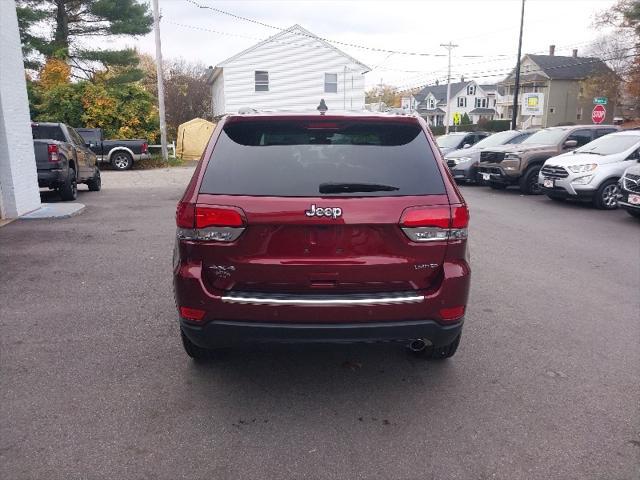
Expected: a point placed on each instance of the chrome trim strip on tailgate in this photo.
(392, 298)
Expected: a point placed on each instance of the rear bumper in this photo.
(52, 177)
(221, 333)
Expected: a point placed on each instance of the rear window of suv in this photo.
(294, 159)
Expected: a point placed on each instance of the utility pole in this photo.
(163, 123)
(449, 46)
(381, 85)
(514, 117)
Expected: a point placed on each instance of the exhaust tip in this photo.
(418, 345)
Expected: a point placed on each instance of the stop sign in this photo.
(598, 114)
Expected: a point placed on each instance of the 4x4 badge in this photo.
(333, 212)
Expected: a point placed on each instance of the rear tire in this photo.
(606, 198)
(529, 182)
(95, 184)
(69, 189)
(198, 354)
(497, 186)
(122, 161)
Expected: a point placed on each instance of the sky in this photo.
(486, 32)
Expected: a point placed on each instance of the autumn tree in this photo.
(63, 29)
(186, 93)
(623, 48)
(386, 94)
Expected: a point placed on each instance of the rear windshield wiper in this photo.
(355, 187)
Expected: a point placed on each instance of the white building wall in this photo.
(296, 66)
(19, 191)
(217, 95)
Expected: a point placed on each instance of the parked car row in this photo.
(595, 163)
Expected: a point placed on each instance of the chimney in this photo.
(552, 50)
(462, 78)
(437, 82)
(575, 53)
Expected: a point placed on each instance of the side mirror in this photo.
(466, 145)
(571, 144)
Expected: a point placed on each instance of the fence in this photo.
(171, 147)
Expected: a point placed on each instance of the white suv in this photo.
(592, 171)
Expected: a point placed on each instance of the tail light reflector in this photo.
(192, 314)
(453, 313)
(209, 223)
(145, 147)
(433, 224)
(53, 153)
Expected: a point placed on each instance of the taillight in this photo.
(145, 147)
(192, 314)
(217, 217)
(434, 224)
(53, 153)
(209, 223)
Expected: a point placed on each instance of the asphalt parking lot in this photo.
(95, 384)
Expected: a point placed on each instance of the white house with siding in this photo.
(290, 71)
(477, 101)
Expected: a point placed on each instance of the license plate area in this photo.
(486, 176)
(634, 199)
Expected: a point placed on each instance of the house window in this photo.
(432, 104)
(462, 101)
(471, 89)
(552, 110)
(330, 83)
(262, 81)
(481, 103)
(579, 114)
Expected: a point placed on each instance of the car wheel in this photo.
(529, 182)
(440, 353)
(121, 161)
(497, 186)
(95, 184)
(69, 189)
(633, 213)
(199, 354)
(606, 198)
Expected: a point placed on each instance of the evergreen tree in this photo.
(62, 29)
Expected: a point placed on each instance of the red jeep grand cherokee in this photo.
(321, 228)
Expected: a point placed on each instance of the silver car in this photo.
(592, 171)
(463, 163)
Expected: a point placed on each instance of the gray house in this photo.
(562, 81)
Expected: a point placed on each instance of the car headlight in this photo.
(590, 167)
(512, 156)
(582, 180)
(461, 160)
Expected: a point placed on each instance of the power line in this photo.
(505, 71)
(346, 44)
